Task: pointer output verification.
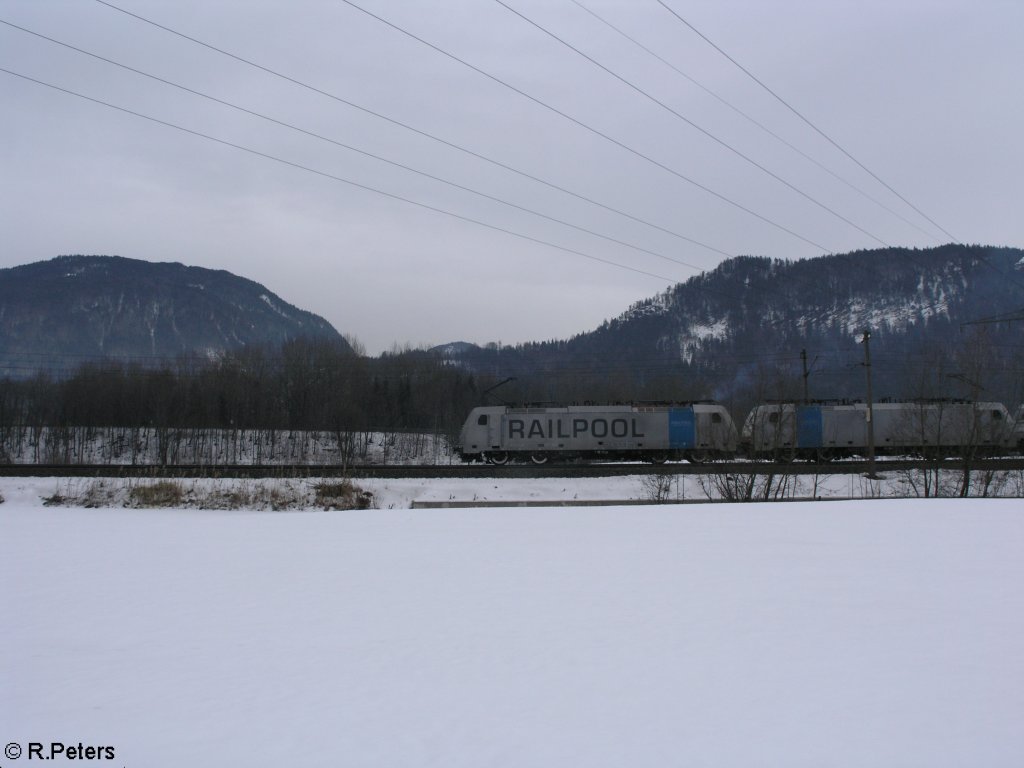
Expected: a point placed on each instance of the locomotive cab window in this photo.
(482, 421)
(997, 415)
(773, 418)
(716, 418)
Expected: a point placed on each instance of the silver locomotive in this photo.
(656, 433)
(832, 430)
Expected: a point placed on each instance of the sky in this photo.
(525, 190)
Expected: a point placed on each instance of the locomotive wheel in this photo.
(499, 458)
(539, 458)
(658, 458)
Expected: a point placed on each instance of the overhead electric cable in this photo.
(754, 121)
(341, 100)
(691, 123)
(413, 129)
(341, 179)
(355, 149)
(1015, 316)
(457, 147)
(815, 128)
(583, 125)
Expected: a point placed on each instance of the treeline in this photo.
(302, 385)
(320, 385)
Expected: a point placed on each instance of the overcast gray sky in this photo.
(924, 93)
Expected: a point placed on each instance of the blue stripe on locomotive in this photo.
(808, 426)
(681, 428)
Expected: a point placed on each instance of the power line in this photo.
(585, 126)
(413, 129)
(1015, 316)
(351, 148)
(341, 179)
(691, 123)
(569, 117)
(304, 85)
(753, 121)
(816, 129)
(408, 127)
(694, 125)
(339, 99)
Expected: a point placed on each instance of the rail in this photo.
(395, 471)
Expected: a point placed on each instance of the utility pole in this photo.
(871, 415)
(803, 361)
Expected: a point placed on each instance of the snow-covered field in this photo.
(863, 633)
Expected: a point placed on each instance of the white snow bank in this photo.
(817, 634)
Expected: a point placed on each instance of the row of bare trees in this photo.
(304, 385)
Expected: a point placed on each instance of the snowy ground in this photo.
(865, 633)
(407, 493)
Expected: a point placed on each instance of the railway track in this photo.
(490, 471)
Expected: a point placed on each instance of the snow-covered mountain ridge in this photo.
(714, 329)
(887, 290)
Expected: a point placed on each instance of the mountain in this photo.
(743, 325)
(454, 349)
(57, 313)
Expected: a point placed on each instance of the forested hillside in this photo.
(753, 329)
(738, 331)
(56, 314)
